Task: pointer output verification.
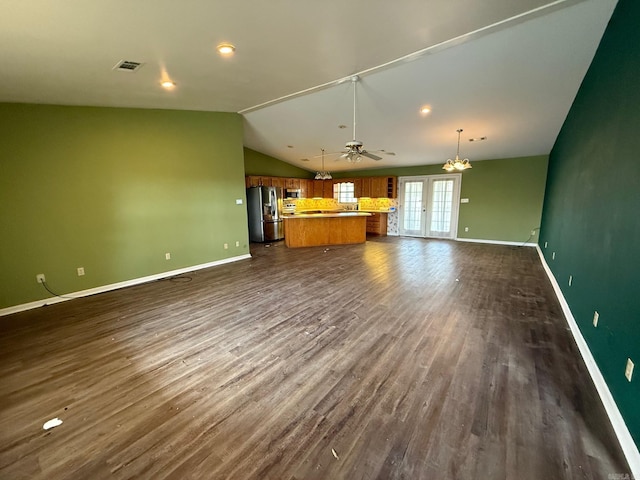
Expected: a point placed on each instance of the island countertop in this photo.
(327, 214)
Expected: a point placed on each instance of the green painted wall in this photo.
(505, 196)
(590, 216)
(112, 190)
(256, 163)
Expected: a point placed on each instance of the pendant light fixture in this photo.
(323, 174)
(457, 164)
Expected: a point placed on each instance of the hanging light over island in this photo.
(457, 164)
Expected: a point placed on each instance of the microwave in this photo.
(291, 193)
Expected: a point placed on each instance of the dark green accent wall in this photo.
(590, 216)
(505, 196)
(112, 190)
(256, 163)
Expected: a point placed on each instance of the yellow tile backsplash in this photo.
(331, 203)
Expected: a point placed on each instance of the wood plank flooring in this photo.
(400, 358)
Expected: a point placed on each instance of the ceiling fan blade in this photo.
(370, 155)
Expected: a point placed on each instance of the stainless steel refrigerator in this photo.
(264, 206)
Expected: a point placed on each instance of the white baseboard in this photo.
(496, 242)
(629, 447)
(115, 286)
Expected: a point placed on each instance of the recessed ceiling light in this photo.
(226, 49)
(478, 139)
(425, 109)
(168, 84)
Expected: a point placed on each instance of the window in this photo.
(344, 192)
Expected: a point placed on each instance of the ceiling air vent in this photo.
(127, 66)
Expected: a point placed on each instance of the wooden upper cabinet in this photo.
(365, 189)
(293, 183)
(277, 182)
(377, 187)
(374, 187)
(306, 188)
(257, 181)
(327, 188)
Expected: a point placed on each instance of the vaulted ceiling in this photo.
(499, 69)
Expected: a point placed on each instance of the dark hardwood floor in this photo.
(400, 358)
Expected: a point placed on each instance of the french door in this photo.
(429, 205)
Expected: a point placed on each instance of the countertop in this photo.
(354, 213)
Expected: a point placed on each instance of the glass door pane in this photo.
(412, 208)
(441, 208)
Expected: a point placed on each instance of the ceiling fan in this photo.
(354, 151)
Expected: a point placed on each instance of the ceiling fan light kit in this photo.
(457, 164)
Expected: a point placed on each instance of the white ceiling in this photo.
(504, 69)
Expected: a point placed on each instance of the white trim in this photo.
(116, 286)
(497, 242)
(629, 447)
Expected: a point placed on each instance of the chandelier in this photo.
(323, 174)
(457, 164)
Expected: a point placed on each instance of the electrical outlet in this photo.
(628, 372)
(533, 232)
(237, 243)
(40, 278)
(80, 271)
(596, 317)
(226, 246)
(570, 279)
(167, 256)
(466, 229)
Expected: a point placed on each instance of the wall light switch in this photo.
(167, 256)
(464, 200)
(80, 271)
(238, 201)
(628, 372)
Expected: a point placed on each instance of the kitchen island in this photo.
(318, 229)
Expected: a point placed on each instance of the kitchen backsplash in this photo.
(388, 204)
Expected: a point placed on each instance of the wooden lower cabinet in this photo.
(377, 223)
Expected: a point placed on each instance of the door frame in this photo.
(426, 199)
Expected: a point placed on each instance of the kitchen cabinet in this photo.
(327, 188)
(365, 188)
(377, 223)
(257, 181)
(306, 188)
(277, 182)
(318, 188)
(376, 187)
(292, 183)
